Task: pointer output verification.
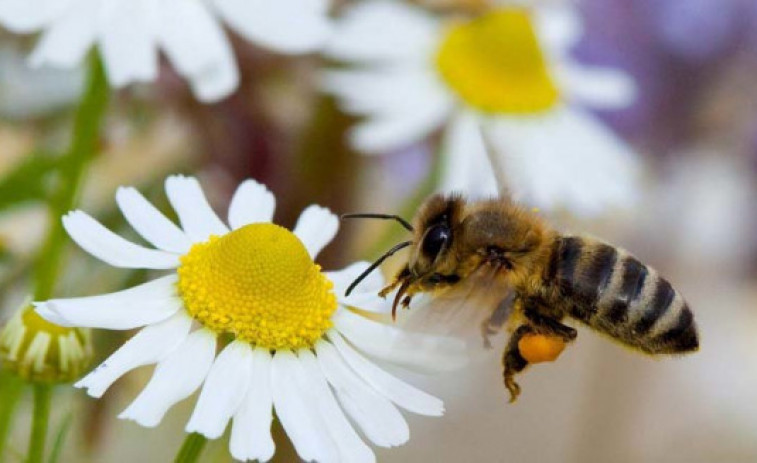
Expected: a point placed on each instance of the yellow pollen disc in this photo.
(259, 284)
(495, 64)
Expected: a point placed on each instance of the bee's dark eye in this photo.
(436, 239)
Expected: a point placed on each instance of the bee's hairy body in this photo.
(553, 276)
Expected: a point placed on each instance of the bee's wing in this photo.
(463, 309)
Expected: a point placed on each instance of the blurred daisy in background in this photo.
(503, 82)
(289, 341)
(129, 34)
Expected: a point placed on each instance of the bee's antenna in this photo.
(399, 219)
(373, 266)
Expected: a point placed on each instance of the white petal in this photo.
(559, 27)
(198, 48)
(22, 16)
(598, 87)
(466, 164)
(223, 391)
(384, 31)
(385, 133)
(288, 26)
(127, 40)
(141, 305)
(110, 248)
(399, 392)
(148, 346)
(195, 214)
(379, 420)
(566, 159)
(351, 447)
(251, 432)
(294, 407)
(422, 352)
(373, 283)
(150, 223)
(175, 378)
(316, 227)
(69, 37)
(386, 90)
(252, 203)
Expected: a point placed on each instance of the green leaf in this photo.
(28, 181)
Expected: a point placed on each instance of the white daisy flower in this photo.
(298, 349)
(503, 80)
(130, 34)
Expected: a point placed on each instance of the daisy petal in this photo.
(251, 432)
(582, 165)
(175, 378)
(399, 392)
(110, 248)
(316, 227)
(195, 214)
(141, 305)
(252, 203)
(150, 223)
(351, 447)
(148, 346)
(380, 421)
(276, 25)
(198, 48)
(293, 405)
(343, 278)
(127, 40)
(559, 26)
(223, 392)
(381, 30)
(467, 167)
(420, 351)
(23, 16)
(597, 87)
(66, 41)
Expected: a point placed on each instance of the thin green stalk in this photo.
(10, 392)
(42, 398)
(191, 448)
(71, 172)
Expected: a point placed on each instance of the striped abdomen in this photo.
(611, 291)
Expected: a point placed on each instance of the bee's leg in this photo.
(494, 323)
(547, 325)
(513, 362)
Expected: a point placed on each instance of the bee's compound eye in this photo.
(436, 239)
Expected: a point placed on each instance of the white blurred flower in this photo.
(130, 33)
(503, 79)
(298, 349)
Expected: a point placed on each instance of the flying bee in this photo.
(468, 255)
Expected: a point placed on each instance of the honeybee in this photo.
(463, 250)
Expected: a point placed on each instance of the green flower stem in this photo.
(42, 398)
(191, 448)
(71, 173)
(72, 170)
(10, 393)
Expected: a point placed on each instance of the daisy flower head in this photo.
(130, 33)
(503, 87)
(297, 345)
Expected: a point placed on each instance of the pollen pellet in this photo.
(537, 348)
(259, 284)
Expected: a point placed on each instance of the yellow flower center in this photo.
(495, 64)
(259, 284)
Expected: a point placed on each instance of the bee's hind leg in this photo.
(513, 362)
